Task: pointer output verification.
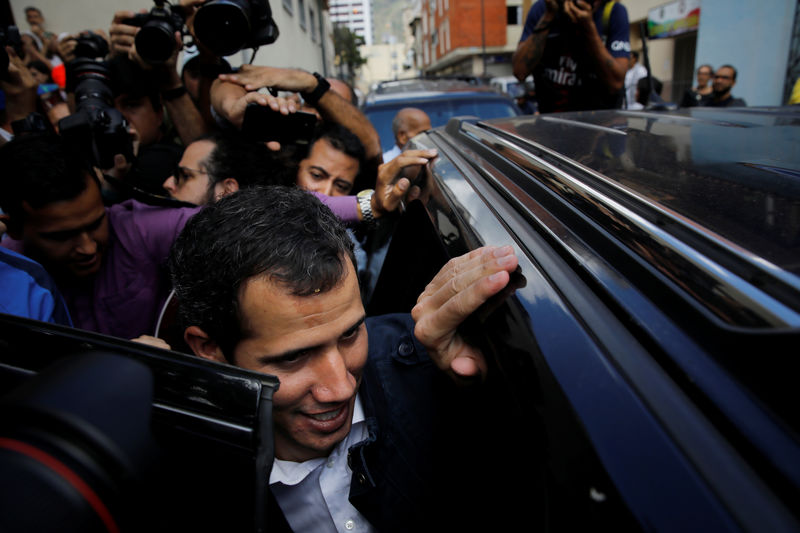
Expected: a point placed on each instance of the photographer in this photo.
(19, 88)
(185, 116)
(577, 51)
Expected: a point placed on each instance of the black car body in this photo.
(441, 99)
(646, 352)
(104, 434)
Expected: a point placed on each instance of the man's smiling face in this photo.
(317, 346)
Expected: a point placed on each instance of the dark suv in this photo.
(441, 99)
(639, 366)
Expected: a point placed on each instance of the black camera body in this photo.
(155, 41)
(9, 36)
(96, 128)
(227, 26)
(90, 44)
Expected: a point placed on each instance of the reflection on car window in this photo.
(440, 111)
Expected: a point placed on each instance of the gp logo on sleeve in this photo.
(617, 46)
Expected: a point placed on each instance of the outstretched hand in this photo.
(19, 87)
(460, 287)
(255, 77)
(390, 190)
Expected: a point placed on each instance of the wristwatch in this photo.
(365, 205)
(311, 98)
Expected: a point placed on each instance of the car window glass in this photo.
(440, 111)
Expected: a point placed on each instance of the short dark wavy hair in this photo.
(281, 233)
(40, 170)
(249, 162)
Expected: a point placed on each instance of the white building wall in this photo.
(294, 48)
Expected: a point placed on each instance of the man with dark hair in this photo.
(647, 89)
(368, 432)
(220, 163)
(577, 51)
(48, 39)
(724, 80)
(136, 96)
(334, 161)
(107, 262)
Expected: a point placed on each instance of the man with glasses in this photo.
(219, 164)
(724, 80)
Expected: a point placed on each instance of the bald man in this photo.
(408, 122)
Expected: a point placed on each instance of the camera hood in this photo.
(227, 26)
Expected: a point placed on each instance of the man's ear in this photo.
(12, 227)
(229, 186)
(402, 138)
(202, 345)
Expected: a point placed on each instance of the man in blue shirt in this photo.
(27, 290)
(577, 51)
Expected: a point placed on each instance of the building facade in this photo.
(467, 37)
(478, 37)
(356, 15)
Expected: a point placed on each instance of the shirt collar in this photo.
(292, 473)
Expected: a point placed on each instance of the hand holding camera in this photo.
(96, 127)
(580, 13)
(19, 86)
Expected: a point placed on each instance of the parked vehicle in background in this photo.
(510, 85)
(441, 99)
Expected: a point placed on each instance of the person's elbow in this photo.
(615, 85)
(615, 75)
(519, 68)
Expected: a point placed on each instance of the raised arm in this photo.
(331, 106)
(187, 119)
(610, 69)
(530, 49)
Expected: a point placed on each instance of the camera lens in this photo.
(223, 26)
(90, 45)
(155, 42)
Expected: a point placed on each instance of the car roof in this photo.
(719, 169)
(430, 89)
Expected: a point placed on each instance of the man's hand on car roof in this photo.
(460, 287)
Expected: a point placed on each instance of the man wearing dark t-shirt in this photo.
(724, 80)
(577, 51)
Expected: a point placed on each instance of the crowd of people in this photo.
(146, 185)
(580, 56)
(262, 242)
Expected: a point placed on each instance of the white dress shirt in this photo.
(388, 155)
(313, 495)
(632, 77)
